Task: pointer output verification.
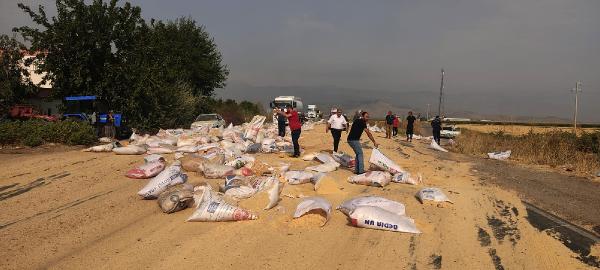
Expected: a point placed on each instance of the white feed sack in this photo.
(211, 207)
(392, 206)
(298, 177)
(372, 178)
(147, 170)
(176, 198)
(130, 150)
(379, 160)
(407, 178)
(172, 175)
(254, 127)
(432, 194)
(101, 148)
(325, 167)
(434, 145)
(373, 217)
(500, 155)
(313, 203)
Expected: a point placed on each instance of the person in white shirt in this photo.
(336, 123)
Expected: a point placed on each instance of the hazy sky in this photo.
(510, 56)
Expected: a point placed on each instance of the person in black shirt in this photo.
(358, 126)
(410, 126)
(436, 126)
(389, 120)
(281, 125)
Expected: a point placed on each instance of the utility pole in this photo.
(576, 90)
(428, 111)
(441, 95)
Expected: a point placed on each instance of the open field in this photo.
(73, 210)
(519, 129)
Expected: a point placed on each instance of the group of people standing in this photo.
(338, 123)
(392, 122)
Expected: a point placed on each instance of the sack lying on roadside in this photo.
(268, 146)
(274, 194)
(187, 149)
(372, 178)
(254, 126)
(391, 206)
(217, 170)
(500, 155)
(213, 208)
(434, 145)
(344, 159)
(130, 150)
(176, 198)
(309, 157)
(153, 158)
(432, 194)
(377, 218)
(240, 192)
(242, 161)
(103, 148)
(149, 169)
(172, 175)
(406, 178)
(313, 203)
(325, 167)
(379, 160)
(326, 158)
(105, 140)
(298, 177)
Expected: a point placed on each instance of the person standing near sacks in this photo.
(281, 125)
(436, 126)
(336, 123)
(295, 126)
(389, 121)
(410, 126)
(395, 126)
(356, 130)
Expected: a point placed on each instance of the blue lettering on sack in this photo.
(212, 207)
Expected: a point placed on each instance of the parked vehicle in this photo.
(212, 119)
(80, 108)
(26, 111)
(312, 112)
(449, 132)
(281, 102)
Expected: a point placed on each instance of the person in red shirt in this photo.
(295, 126)
(396, 124)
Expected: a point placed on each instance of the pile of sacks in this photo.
(228, 154)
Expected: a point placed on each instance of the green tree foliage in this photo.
(158, 74)
(236, 113)
(13, 87)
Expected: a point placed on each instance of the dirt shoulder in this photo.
(572, 198)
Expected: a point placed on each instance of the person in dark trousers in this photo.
(295, 127)
(436, 126)
(336, 123)
(395, 126)
(410, 126)
(389, 121)
(281, 124)
(109, 128)
(356, 130)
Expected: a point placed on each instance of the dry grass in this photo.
(520, 130)
(554, 148)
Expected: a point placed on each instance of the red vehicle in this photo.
(24, 111)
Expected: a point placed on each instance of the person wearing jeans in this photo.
(358, 126)
(295, 126)
(336, 123)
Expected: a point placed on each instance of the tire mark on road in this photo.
(29, 186)
(58, 209)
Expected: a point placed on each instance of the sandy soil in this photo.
(520, 130)
(73, 210)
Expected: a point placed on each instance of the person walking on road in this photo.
(389, 121)
(295, 126)
(281, 124)
(410, 126)
(356, 130)
(436, 126)
(109, 127)
(336, 123)
(395, 126)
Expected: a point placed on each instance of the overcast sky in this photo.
(512, 56)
